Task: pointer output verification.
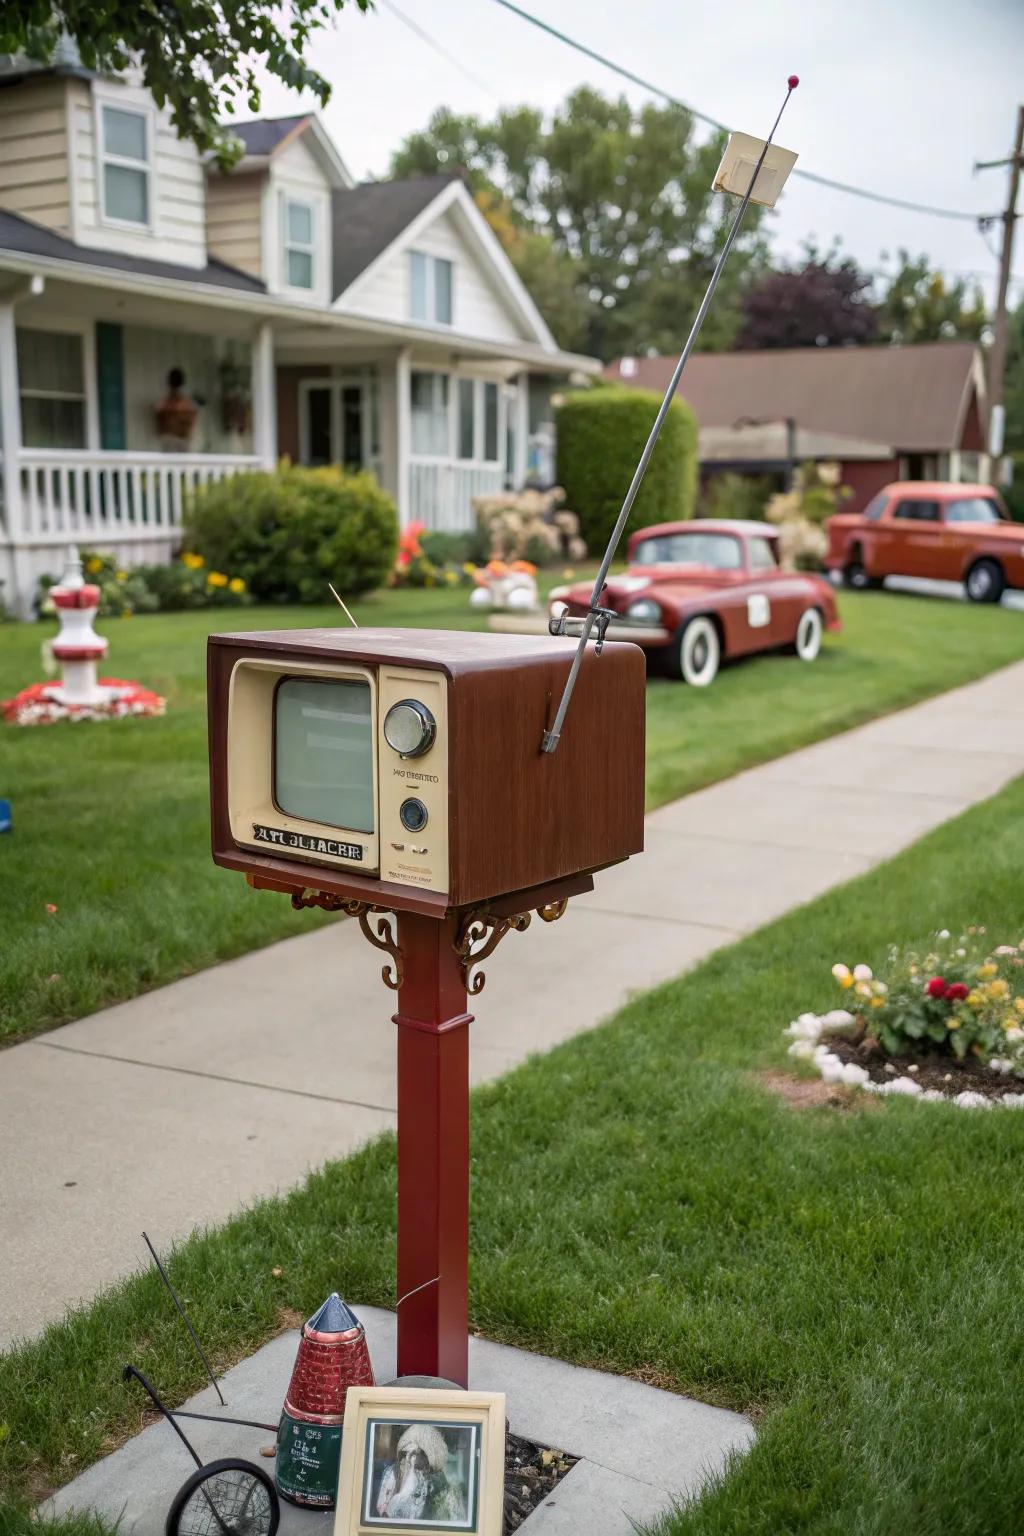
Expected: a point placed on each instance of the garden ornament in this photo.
(755, 171)
(332, 1357)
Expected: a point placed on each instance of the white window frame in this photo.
(431, 315)
(479, 415)
(367, 381)
(86, 329)
(103, 159)
(288, 244)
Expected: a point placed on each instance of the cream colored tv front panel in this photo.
(391, 851)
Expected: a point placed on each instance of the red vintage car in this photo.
(702, 592)
(930, 528)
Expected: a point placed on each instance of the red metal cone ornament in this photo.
(332, 1357)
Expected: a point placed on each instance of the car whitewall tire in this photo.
(699, 653)
(808, 635)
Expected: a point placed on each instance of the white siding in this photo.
(177, 183)
(33, 152)
(233, 220)
(149, 355)
(479, 306)
(295, 171)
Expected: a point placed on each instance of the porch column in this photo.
(10, 445)
(264, 396)
(522, 409)
(403, 435)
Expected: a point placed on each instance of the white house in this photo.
(378, 325)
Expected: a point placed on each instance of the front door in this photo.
(338, 420)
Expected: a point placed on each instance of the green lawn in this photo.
(644, 1202)
(111, 820)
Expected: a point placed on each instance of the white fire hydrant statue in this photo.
(77, 646)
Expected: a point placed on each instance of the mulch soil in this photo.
(929, 1069)
(532, 1472)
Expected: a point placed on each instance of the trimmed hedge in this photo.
(601, 434)
(289, 532)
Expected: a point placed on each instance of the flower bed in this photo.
(945, 1025)
(39, 704)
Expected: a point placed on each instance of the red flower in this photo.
(936, 987)
(957, 992)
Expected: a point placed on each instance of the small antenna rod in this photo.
(184, 1317)
(549, 743)
(344, 610)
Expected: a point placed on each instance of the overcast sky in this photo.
(901, 98)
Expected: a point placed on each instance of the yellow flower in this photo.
(93, 565)
(192, 562)
(236, 584)
(878, 1002)
(451, 578)
(122, 575)
(987, 970)
(216, 579)
(863, 990)
(974, 999)
(999, 988)
(469, 568)
(846, 981)
(953, 1023)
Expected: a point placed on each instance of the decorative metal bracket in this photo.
(384, 936)
(480, 932)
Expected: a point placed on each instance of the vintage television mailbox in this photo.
(403, 768)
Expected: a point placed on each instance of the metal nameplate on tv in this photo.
(303, 843)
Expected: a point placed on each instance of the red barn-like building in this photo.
(881, 413)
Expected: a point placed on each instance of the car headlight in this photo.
(644, 611)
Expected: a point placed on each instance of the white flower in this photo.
(943, 933)
(1001, 1064)
(862, 989)
(972, 1101)
(1005, 949)
(879, 988)
(840, 971)
(1015, 1033)
(961, 953)
(862, 973)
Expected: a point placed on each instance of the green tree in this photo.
(198, 57)
(624, 195)
(919, 304)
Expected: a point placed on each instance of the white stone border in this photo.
(806, 1034)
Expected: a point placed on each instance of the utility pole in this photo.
(997, 363)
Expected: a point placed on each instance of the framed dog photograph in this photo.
(421, 1460)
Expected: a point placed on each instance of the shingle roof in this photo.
(264, 134)
(910, 397)
(29, 239)
(367, 218)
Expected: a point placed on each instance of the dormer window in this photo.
(298, 244)
(430, 288)
(125, 166)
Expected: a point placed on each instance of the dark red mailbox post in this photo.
(398, 776)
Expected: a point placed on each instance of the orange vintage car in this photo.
(930, 528)
(700, 592)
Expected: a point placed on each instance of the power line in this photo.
(439, 49)
(703, 117)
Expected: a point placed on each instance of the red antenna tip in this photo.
(793, 82)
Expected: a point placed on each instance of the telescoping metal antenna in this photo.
(742, 164)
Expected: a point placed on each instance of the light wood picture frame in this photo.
(421, 1460)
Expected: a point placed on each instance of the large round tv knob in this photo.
(409, 728)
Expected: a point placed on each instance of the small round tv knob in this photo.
(409, 728)
(413, 814)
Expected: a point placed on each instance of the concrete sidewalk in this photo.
(183, 1105)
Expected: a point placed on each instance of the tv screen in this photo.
(323, 752)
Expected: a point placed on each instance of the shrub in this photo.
(289, 532)
(528, 525)
(728, 494)
(601, 434)
(149, 588)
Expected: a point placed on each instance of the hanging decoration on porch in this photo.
(80, 694)
(332, 1357)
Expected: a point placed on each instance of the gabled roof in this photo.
(914, 397)
(264, 137)
(368, 218)
(29, 239)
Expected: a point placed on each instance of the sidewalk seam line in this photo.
(212, 1077)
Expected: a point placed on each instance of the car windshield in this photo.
(718, 550)
(973, 509)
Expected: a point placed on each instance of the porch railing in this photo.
(71, 494)
(441, 491)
